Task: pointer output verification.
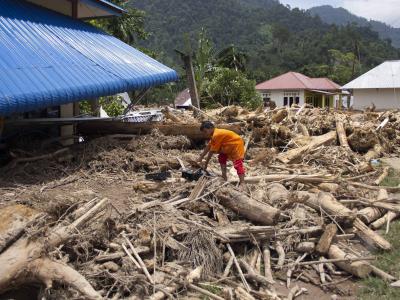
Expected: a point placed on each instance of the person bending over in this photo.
(228, 145)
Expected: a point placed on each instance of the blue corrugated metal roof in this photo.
(49, 59)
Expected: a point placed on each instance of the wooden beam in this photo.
(74, 9)
(192, 131)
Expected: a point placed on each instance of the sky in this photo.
(387, 11)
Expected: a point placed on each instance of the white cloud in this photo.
(382, 10)
(387, 11)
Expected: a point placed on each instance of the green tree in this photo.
(228, 86)
(231, 57)
(281, 36)
(204, 58)
(344, 66)
(129, 27)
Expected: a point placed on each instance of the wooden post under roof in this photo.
(67, 111)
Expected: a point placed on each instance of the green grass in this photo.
(392, 180)
(374, 288)
(212, 289)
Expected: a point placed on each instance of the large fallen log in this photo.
(341, 134)
(247, 207)
(277, 193)
(303, 129)
(15, 218)
(370, 214)
(192, 131)
(325, 241)
(313, 179)
(25, 262)
(387, 218)
(326, 203)
(297, 153)
(369, 236)
(360, 269)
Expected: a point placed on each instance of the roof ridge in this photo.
(300, 79)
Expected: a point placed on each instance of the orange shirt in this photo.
(227, 142)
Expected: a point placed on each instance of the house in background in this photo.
(183, 100)
(295, 88)
(379, 86)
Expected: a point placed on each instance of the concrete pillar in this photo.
(323, 101)
(67, 111)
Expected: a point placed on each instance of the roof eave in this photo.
(114, 10)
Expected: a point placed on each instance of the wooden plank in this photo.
(190, 130)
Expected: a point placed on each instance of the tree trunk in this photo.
(279, 116)
(15, 218)
(328, 204)
(370, 237)
(341, 134)
(325, 241)
(370, 214)
(277, 193)
(251, 209)
(191, 130)
(294, 154)
(360, 269)
(23, 261)
(313, 179)
(303, 129)
(388, 217)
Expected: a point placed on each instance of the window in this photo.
(297, 100)
(266, 96)
(290, 101)
(285, 101)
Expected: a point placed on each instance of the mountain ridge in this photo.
(275, 38)
(341, 16)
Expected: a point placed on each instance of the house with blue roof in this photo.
(51, 57)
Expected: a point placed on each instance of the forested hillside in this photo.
(274, 38)
(341, 16)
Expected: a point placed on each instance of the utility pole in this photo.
(188, 64)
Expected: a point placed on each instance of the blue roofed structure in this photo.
(48, 58)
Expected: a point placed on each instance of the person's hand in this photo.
(204, 166)
(199, 162)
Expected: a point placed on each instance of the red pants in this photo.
(237, 164)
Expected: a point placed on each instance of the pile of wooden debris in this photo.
(114, 219)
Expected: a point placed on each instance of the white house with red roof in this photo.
(296, 88)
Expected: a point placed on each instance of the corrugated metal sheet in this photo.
(49, 59)
(384, 76)
(297, 81)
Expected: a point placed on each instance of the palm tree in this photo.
(129, 27)
(232, 58)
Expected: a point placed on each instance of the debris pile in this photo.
(112, 218)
